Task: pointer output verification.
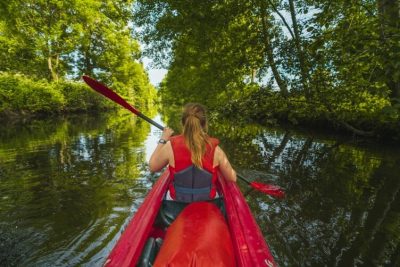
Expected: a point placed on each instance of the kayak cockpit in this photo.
(167, 214)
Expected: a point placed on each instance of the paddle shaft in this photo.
(110, 94)
(243, 179)
(159, 126)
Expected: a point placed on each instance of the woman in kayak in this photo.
(193, 158)
(199, 235)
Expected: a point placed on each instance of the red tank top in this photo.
(182, 157)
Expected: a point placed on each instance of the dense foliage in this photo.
(54, 42)
(321, 60)
(21, 94)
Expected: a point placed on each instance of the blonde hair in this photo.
(194, 123)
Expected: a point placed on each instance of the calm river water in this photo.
(68, 186)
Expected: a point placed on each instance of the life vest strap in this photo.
(186, 190)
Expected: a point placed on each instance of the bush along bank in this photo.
(365, 115)
(21, 95)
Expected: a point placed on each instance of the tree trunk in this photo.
(253, 75)
(86, 51)
(282, 18)
(53, 72)
(300, 52)
(389, 18)
(270, 53)
(88, 65)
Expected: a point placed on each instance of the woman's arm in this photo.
(225, 166)
(162, 154)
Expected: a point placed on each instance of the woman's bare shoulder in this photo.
(219, 155)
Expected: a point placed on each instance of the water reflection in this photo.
(342, 206)
(67, 187)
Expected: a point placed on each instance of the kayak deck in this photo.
(199, 236)
(248, 242)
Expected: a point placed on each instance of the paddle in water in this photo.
(271, 190)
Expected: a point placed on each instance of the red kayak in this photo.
(153, 232)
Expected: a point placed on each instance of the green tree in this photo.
(46, 26)
(212, 55)
(55, 40)
(331, 61)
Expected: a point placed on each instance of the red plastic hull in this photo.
(199, 236)
(249, 245)
(129, 247)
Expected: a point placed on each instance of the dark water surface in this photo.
(69, 186)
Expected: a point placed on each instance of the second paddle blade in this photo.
(272, 190)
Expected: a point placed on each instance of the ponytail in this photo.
(194, 131)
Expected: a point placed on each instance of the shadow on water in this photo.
(69, 186)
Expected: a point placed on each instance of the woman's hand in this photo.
(163, 152)
(167, 133)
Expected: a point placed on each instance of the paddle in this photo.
(272, 190)
(107, 92)
(269, 189)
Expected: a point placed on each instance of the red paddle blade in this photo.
(107, 92)
(272, 190)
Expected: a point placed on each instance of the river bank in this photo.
(376, 120)
(23, 96)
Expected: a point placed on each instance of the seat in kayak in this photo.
(170, 210)
(150, 251)
(198, 237)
